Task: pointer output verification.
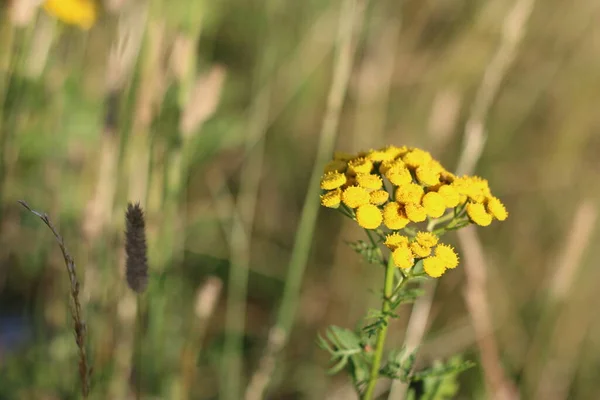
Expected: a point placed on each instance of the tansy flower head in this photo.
(74, 12)
(355, 196)
(416, 158)
(415, 212)
(450, 195)
(434, 204)
(395, 240)
(379, 155)
(335, 166)
(378, 197)
(395, 152)
(447, 177)
(360, 166)
(419, 250)
(434, 266)
(478, 214)
(403, 257)
(447, 255)
(342, 156)
(495, 207)
(332, 198)
(398, 174)
(386, 165)
(369, 181)
(369, 216)
(394, 216)
(428, 174)
(426, 239)
(332, 180)
(409, 193)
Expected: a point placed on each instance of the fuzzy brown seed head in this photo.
(136, 266)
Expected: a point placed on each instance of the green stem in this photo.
(385, 308)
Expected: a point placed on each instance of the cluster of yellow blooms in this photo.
(74, 12)
(420, 188)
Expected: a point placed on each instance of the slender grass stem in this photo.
(381, 335)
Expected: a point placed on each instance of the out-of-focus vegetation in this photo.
(210, 114)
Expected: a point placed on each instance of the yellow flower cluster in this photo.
(420, 188)
(437, 257)
(75, 12)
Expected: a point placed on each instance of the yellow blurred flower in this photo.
(495, 207)
(387, 165)
(73, 12)
(342, 156)
(332, 199)
(409, 193)
(398, 174)
(434, 266)
(426, 239)
(395, 240)
(434, 205)
(369, 181)
(420, 250)
(335, 166)
(332, 180)
(403, 257)
(394, 216)
(478, 214)
(428, 174)
(415, 212)
(378, 197)
(416, 158)
(369, 216)
(360, 166)
(450, 196)
(355, 196)
(447, 254)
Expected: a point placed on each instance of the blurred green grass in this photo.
(541, 158)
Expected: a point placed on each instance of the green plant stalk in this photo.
(388, 288)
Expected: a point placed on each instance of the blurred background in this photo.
(213, 115)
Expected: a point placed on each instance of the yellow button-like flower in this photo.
(395, 240)
(380, 155)
(395, 151)
(394, 216)
(416, 158)
(355, 196)
(343, 156)
(403, 257)
(378, 197)
(415, 212)
(478, 214)
(480, 189)
(409, 193)
(495, 207)
(450, 196)
(447, 254)
(426, 239)
(360, 166)
(369, 216)
(447, 177)
(398, 175)
(428, 174)
(419, 250)
(332, 180)
(385, 166)
(332, 199)
(369, 181)
(74, 12)
(434, 204)
(434, 266)
(335, 166)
